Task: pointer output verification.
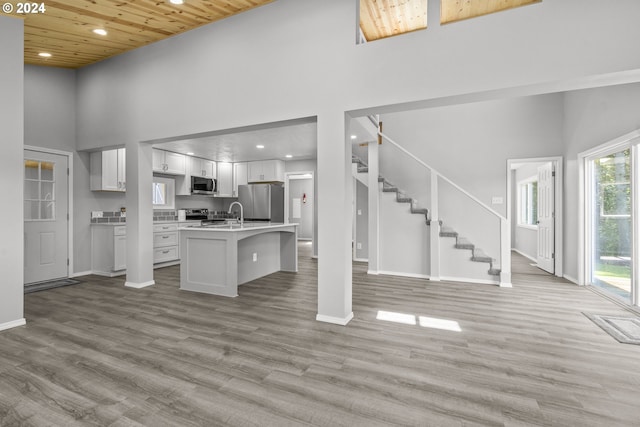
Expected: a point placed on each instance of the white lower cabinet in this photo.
(165, 243)
(109, 247)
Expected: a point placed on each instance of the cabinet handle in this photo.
(165, 252)
(165, 237)
(165, 228)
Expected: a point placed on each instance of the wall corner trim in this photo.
(335, 320)
(13, 324)
(139, 285)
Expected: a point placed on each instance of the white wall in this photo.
(11, 173)
(279, 62)
(592, 117)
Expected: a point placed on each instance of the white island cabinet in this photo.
(216, 259)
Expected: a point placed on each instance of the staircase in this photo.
(461, 243)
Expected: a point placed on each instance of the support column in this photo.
(434, 231)
(139, 216)
(374, 207)
(11, 172)
(335, 195)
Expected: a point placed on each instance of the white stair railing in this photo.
(504, 230)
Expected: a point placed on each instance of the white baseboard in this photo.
(571, 279)
(81, 273)
(468, 280)
(360, 260)
(524, 255)
(314, 256)
(334, 320)
(412, 275)
(139, 285)
(109, 273)
(375, 273)
(13, 324)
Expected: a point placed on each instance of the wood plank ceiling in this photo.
(386, 18)
(65, 29)
(457, 10)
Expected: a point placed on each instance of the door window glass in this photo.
(39, 195)
(611, 217)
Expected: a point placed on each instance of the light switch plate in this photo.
(96, 214)
(497, 200)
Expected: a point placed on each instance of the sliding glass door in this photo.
(611, 224)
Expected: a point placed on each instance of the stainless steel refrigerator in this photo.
(262, 202)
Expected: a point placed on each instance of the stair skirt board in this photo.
(395, 273)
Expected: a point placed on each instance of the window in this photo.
(528, 203)
(39, 197)
(164, 193)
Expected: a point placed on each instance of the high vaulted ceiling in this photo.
(65, 28)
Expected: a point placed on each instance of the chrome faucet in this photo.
(241, 211)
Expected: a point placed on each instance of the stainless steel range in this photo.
(196, 214)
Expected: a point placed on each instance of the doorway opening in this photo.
(300, 204)
(534, 211)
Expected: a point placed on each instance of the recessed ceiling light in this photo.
(177, 1)
(189, 154)
(288, 156)
(45, 54)
(354, 136)
(260, 146)
(100, 32)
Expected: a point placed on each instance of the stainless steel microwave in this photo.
(200, 185)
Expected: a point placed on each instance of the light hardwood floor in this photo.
(101, 354)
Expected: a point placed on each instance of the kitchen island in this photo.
(215, 259)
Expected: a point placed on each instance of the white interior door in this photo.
(546, 218)
(45, 216)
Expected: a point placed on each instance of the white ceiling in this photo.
(298, 139)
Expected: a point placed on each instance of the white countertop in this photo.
(236, 227)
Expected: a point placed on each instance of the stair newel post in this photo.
(374, 208)
(434, 230)
(505, 254)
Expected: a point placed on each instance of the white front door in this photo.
(45, 216)
(546, 218)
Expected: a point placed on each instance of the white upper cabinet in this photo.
(168, 162)
(202, 167)
(225, 179)
(239, 176)
(107, 170)
(266, 171)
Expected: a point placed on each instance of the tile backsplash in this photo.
(117, 216)
(158, 215)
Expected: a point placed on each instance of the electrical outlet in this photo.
(255, 256)
(96, 214)
(359, 211)
(359, 245)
